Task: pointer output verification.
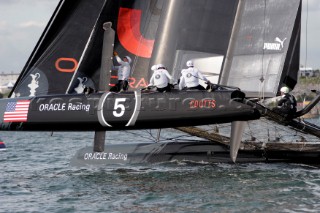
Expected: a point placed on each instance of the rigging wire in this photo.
(261, 130)
(306, 48)
(262, 78)
(139, 135)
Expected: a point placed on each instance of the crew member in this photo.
(160, 78)
(123, 72)
(287, 104)
(190, 78)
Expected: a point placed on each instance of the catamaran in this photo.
(247, 49)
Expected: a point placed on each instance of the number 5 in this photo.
(118, 105)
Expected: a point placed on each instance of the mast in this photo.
(106, 63)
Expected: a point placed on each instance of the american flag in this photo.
(17, 111)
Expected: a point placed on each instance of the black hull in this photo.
(196, 152)
(129, 110)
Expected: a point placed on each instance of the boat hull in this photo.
(127, 110)
(197, 152)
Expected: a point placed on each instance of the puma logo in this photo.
(281, 42)
(277, 45)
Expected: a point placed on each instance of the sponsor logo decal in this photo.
(34, 84)
(105, 156)
(80, 88)
(137, 83)
(204, 103)
(67, 65)
(16, 111)
(277, 45)
(64, 107)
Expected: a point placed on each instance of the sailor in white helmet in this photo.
(288, 104)
(123, 72)
(190, 78)
(154, 67)
(160, 78)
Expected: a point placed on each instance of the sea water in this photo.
(36, 177)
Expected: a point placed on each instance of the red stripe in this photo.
(15, 119)
(114, 76)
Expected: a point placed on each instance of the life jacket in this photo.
(160, 78)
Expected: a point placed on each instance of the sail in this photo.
(57, 54)
(197, 30)
(171, 33)
(265, 47)
(68, 54)
(236, 43)
(136, 24)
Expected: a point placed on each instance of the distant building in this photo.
(308, 72)
(7, 81)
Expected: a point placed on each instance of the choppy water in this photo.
(36, 177)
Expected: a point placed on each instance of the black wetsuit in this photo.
(164, 89)
(287, 105)
(122, 85)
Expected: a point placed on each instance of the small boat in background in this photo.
(2, 145)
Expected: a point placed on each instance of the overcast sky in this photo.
(21, 25)
(22, 22)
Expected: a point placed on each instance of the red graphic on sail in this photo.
(129, 33)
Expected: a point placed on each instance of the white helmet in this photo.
(189, 63)
(154, 67)
(285, 90)
(160, 66)
(129, 59)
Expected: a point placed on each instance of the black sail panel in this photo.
(136, 25)
(56, 56)
(292, 63)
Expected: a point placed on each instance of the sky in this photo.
(23, 21)
(21, 25)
